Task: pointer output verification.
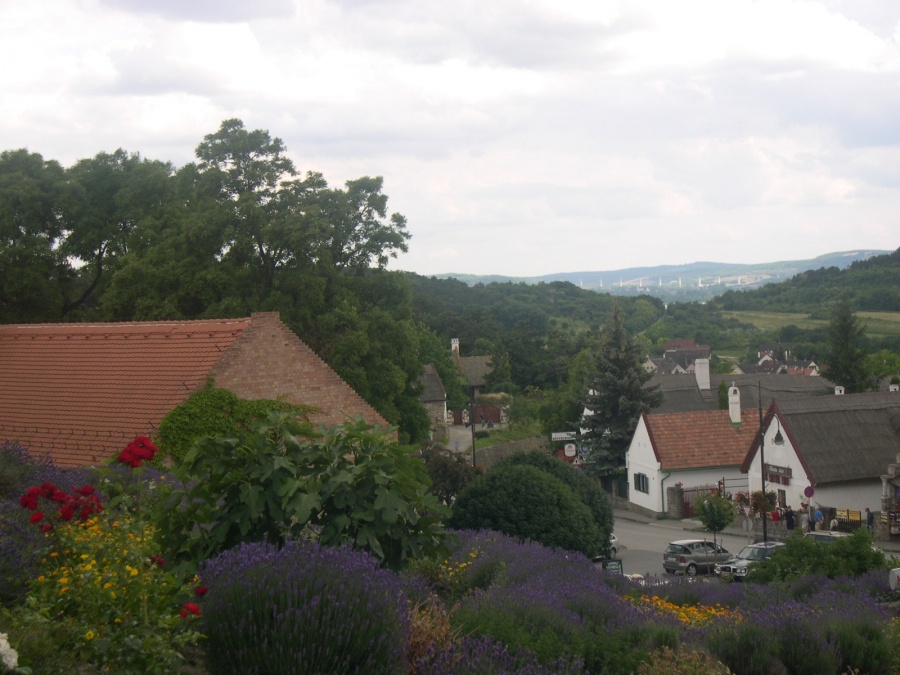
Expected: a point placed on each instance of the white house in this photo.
(692, 448)
(838, 446)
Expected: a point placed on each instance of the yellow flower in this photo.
(112, 594)
(64, 580)
(89, 635)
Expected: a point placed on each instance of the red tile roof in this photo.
(695, 440)
(80, 392)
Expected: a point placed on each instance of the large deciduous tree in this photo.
(117, 203)
(32, 269)
(614, 397)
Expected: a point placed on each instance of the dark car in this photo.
(690, 556)
(736, 568)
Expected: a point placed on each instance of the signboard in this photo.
(809, 491)
(569, 449)
(562, 436)
(613, 566)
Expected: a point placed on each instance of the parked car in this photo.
(613, 548)
(690, 556)
(736, 568)
(826, 536)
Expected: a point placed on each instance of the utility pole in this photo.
(762, 461)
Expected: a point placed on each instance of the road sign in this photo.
(562, 436)
(570, 449)
(809, 491)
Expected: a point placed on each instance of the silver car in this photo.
(736, 568)
(690, 556)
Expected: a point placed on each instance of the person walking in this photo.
(819, 519)
(789, 518)
(804, 520)
(870, 521)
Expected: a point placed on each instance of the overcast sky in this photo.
(519, 138)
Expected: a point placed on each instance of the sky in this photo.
(518, 138)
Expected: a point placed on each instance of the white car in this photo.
(613, 545)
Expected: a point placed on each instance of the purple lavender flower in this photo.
(305, 606)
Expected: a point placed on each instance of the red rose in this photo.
(158, 560)
(30, 499)
(36, 517)
(66, 512)
(128, 457)
(86, 491)
(189, 608)
(46, 527)
(200, 591)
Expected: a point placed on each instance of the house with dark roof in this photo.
(838, 446)
(693, 449)
(474, 369)
(433, 396)
(80, 391)
(699, 391)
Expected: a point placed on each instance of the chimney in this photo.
(839, 390)
(701, 373)
(454, 345)
(734, 405)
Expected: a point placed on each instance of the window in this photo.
(642, 483)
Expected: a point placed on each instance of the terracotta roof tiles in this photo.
(694, 440)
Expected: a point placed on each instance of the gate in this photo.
(692, 496)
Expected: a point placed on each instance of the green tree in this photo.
(715, 512)
(350, 486)
(449, 471)
(527, 503)
(117, 203)
(33, 270)
(614, 397)
(722, 395)
(846, 357)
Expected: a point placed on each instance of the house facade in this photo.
(830, 451)
(693, 449)
(79, 392)
(433, 396)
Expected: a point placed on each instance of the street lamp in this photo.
(762, 461)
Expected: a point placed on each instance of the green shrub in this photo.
(586, 488)
(351, 485)
(527, 503)
(801, 556)
(215, 412)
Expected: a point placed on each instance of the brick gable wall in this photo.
(269, 361)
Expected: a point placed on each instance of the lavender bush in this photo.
(302, 608)
(485, 656)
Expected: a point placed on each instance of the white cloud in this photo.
(519, 138)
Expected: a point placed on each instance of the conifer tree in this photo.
(846, 358)
(615, 397)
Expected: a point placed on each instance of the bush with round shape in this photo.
(585, 487)
(302, 608)
(527, 503)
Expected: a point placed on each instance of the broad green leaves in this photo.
(350, 485)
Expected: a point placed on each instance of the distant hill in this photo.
(684, 283)
(869, 285)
